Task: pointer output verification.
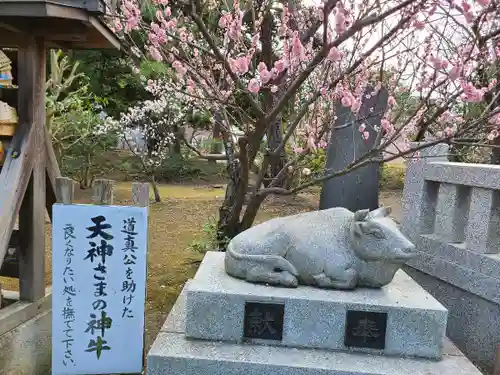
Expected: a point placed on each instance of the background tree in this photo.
(268, 59)
(116, 77)
(158, 120)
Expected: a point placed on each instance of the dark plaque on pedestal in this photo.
(365, 329)
(263, 321)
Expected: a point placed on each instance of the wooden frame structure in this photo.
(28, 175)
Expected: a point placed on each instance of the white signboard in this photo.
(98, 288)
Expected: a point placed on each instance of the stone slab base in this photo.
(173, 354)
(313, 317)
(473, 322)
(26, 350)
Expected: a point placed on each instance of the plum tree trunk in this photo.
(277, 162)
(231, 208)
(215, 147)
(155, 189)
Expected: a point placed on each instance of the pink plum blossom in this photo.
(334, 54)
(254, 86)
(322, 144)
(298, 50)
(419, 25)
(346, 101)
(448, 132)
(355, 106)
(471, 93)
(493, 135)
(340, 24)
(484, 3)
(455, 72)
(155, 54)
(386, 125)
(280, 65)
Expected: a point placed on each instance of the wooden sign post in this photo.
(99, 282)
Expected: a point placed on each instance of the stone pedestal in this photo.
(221, 325)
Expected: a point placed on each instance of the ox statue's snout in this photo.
(407, 252)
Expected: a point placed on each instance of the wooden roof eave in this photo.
(61, 26)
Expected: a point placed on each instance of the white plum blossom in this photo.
(155, 119)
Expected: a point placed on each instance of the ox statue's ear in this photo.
(361, 215)
(380, 212)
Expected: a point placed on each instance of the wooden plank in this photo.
(52, 173)
(15, 239)
(32, 78)
(140, 197)
(140, 194)
(22, 311)
(7, 129)
(496, 364)
(65, 189)
(105, 32)
(40, 9)
(10, 39)
(10, 265)
(10, 268)
(14, 178)
(63, 30)
(62, 27)
(103, 192)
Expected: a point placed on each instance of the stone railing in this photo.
(451, 212)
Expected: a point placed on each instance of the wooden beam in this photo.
(63, 30)
(11, 28)
(14, 178)
(103, 192)
(496, 364)
(52, 173)
(39, 9)
(65, 188)
(105, 32)
(32, 78)
(140, 197)
(140, 194)
(20, 312)
(10, 265)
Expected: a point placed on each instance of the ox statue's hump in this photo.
(332, 218)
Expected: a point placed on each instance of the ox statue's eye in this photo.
(378, 234)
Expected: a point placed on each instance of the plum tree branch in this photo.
(201, 25)
(357, 26)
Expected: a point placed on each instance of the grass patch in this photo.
(392, 176)
(181, 230)
(185, 218)
(173, 191)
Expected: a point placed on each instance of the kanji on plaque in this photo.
(98, 289)
(263, 321)
(365, 329)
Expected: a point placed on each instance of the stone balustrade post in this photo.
(419, 196)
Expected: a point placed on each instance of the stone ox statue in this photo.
(332, 248)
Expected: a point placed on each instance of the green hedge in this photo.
(392, 176)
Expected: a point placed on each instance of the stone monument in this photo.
(227, 321)
(358, 189)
